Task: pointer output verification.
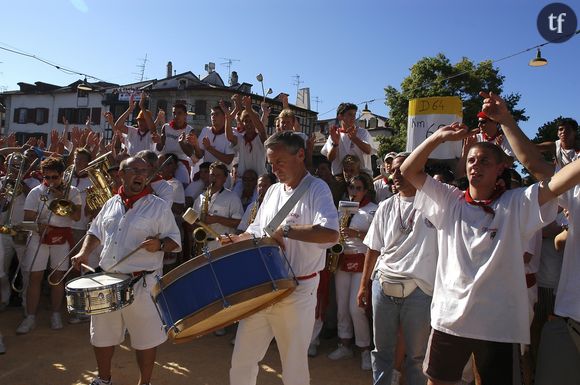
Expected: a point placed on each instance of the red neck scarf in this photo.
(365, 201)
(174, 125)
(130, 201)
(497, 138)
(484, 204)
(248, 140)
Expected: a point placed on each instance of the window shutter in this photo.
(16, 115)
(31, 115)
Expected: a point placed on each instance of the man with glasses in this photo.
(57, 239)
(134, 218)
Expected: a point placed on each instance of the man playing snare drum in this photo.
(305, 234)
(133, 218)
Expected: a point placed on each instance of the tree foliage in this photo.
(548, 132)
(436, 76)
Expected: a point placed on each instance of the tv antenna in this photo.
(297, 83)
(317, 100)
(141, 67)
(228, 63)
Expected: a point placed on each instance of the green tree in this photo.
(436, 76)
(548, 132)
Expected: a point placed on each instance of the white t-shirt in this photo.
(347, 147)
(82, 184)
(172, 141)
(551, 261)
(315, 207)
(220, 142)
(243, 226)
(568, 293)
(480, 289)
(18, 206)
(563, 157)
(34, 203)
(412, 255)
(251, 156)
(120, 231)
(501, 141)
(136, 142)
(195, 188)
(178, 193)
(383, 190)
(360, 221)
(224, 203)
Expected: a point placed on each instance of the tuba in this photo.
(100, 191)
(63, 207)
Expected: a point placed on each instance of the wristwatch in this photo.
(285, 231)
(161, 245)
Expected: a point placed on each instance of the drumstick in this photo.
(88, 268)
(130, 254)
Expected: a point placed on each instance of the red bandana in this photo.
(174, 126)
(130, 201)
(484, 204)
(365, 201)
(249, 141)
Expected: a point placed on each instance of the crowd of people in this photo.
(428, 274)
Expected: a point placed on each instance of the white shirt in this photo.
(315, 207)
(82, 184)
(178, 193)
(224, 203)
(347, 147)
(33, 203)
(121, 231)
(251, 156)
(360, 221)
(383, 189)
(551, 261)
(243, 226)
(412, 255)
(563, 157)
(500, 141)
(18, 205)
(568, 293)
(163, 190)
(136, 142)
(220, 142)
(195, 188)
(172, 141)
(480, 289)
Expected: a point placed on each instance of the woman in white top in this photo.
(348, 276)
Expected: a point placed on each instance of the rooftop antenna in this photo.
(141, 73)
(228, 63)
(317, 100)
(297, 83)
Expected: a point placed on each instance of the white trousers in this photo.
(349, 314)
(290, 321)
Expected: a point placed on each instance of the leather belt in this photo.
(140, 273)
(305, 277)
(530, 280)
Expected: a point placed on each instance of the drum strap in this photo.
(138, 275)
(288, 206)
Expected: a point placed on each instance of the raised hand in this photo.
(453, 132)
(495, 107)
(334, 134)
(109, 118)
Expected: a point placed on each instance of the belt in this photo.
(530, 280)
(305, 277)
(140, 273)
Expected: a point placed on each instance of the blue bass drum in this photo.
(228, 284)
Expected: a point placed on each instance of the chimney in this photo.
(169, 69)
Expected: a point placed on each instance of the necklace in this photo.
(405, 226)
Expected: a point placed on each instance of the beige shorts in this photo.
(140, 319)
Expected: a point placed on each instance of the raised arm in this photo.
(120, 123)
(254, 118)
(525, 150)
(562, 181)
(413, 168)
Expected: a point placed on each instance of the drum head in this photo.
(93, 281)
(241, 305)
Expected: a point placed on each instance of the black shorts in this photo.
(447, 355)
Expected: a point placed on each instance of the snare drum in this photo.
(243, 278)
(98, 293)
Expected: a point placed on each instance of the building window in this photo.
(41, 116)
(22, 115)
(96, 116)
(200, 108)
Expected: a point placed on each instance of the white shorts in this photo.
(56, 254)
(140, 318)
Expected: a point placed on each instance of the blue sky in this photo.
(342, 50)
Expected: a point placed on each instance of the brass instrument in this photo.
(346, 208)
(100, 191)
(63, 207)
(200, 234)
(255, 207)
(12, 188)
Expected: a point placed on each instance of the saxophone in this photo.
(333, 255)
(255, 208)
(200, 234)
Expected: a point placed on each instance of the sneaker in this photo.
(2, 347)
(56, 321)
(396, 377)
(312, 350)
(27, 324)
(99, 381)
(341, 352)
(220, 332)
(78, 319)
(365, 360)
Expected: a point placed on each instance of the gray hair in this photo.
(289, 139)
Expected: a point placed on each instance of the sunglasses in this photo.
(355, 188)
(51, 177)
(481, 122)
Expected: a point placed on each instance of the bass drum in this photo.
(211, 292)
